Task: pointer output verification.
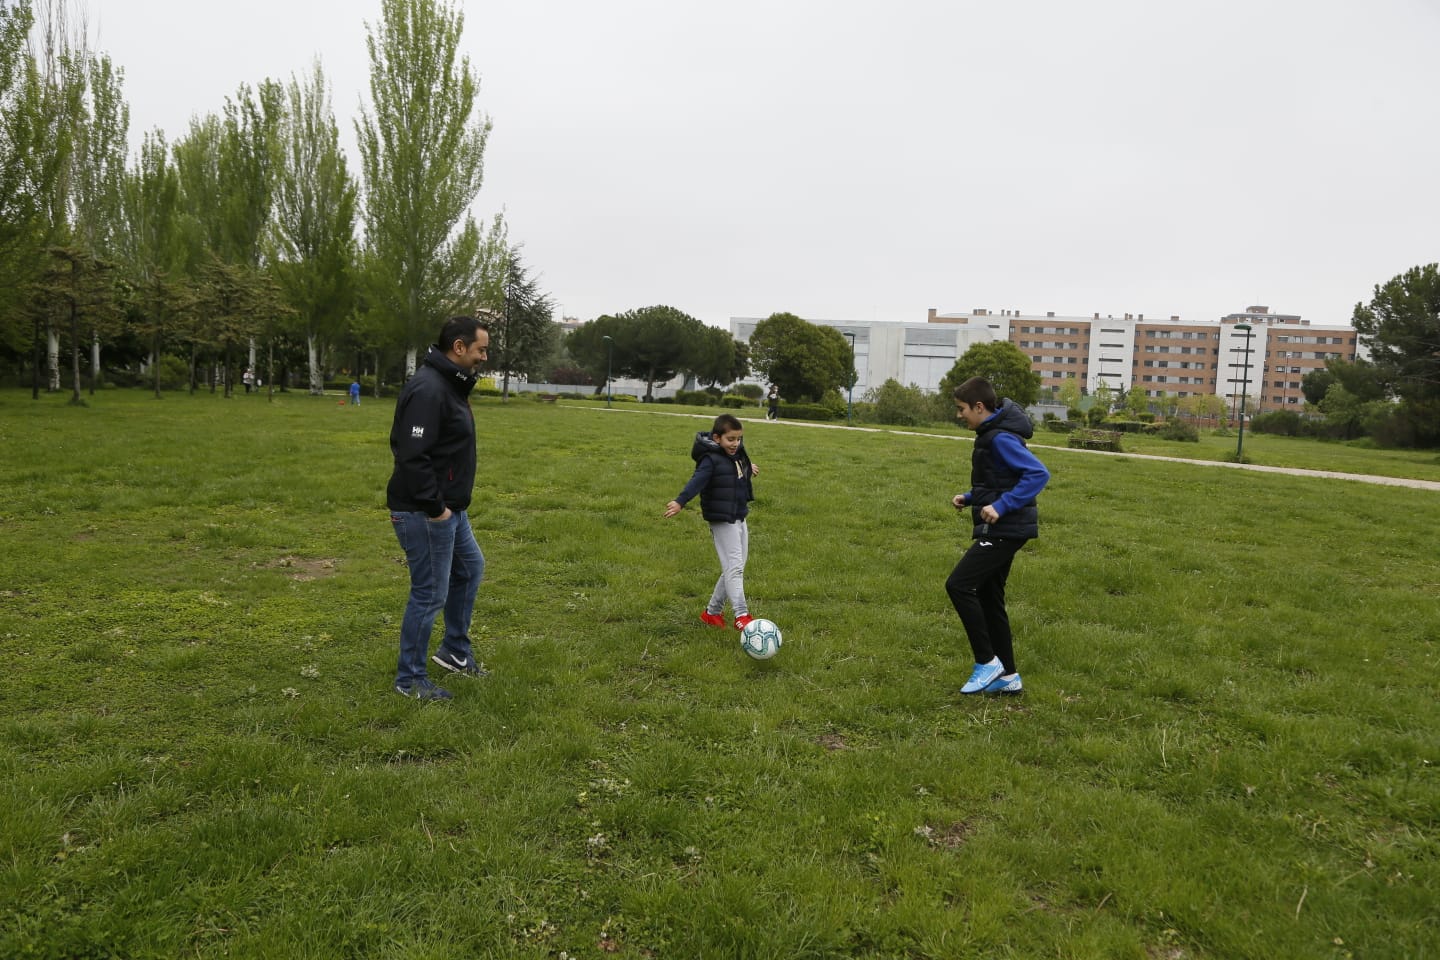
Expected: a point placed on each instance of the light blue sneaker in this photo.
(981, 677)
(1010, 684)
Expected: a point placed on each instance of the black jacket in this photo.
(433, 440)
(723, 482)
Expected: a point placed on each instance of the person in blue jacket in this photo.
(722, 478)
(1005, 480)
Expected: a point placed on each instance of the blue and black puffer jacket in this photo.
(990, 477)
(723, 482)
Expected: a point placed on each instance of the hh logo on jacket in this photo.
(417, 432)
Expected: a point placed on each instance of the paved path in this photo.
(1258, 468)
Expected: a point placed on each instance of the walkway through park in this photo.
(1258, 468)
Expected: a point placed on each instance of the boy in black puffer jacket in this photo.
(722, 478)
(1005, 479)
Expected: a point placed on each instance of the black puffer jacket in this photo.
(989, 478)
(723, 482)
(433, 440)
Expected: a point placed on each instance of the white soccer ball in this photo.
(760, 639)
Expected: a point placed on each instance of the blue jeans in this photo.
(446, 566)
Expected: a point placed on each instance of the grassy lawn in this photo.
(1227, 749)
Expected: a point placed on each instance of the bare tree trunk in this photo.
(94, 362)
(52, 359)
(75, 355)
(409, 362)
(317, 381)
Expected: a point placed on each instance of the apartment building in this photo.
(909, 353)
(1171, 357)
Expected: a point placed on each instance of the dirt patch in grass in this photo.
(303, 568)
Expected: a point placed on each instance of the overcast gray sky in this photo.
(864, 161)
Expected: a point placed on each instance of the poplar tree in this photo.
(422, 148)
(314, 223)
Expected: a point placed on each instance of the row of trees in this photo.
(251, 228)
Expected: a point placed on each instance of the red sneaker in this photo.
(741, 620)
(712, 619)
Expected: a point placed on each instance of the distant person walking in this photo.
(722, 476)
(433, 441)
(248, 378)
(1005, 479)
(355, 393)
(773, 399)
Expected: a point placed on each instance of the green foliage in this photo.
(1003, 364)
(694, 398)
(808, 411)
(734, 401)
(524, 335)
(1096, 414)
(653, 344)
(1284, 423)
(1401, 326)
(207, 633)
(422, 150)
(1315, 384)
(892, 403)
(803, 359)
(314, 223)
(751, 391)
(1179, 430)
(1135, 401)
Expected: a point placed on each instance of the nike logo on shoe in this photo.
(462, 661)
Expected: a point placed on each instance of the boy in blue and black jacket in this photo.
(722, 478)
(1005, 479)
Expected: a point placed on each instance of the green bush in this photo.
(752, 390)
(1179, 430)
(1075, 414)
(807, 411)
(1285, 423)
(1126, 426)
(732, 401)
(1095, 416)
(898, 405)
(694, 398)
(834, 401)
(1060, 426)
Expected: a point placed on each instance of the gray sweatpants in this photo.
(732, 546)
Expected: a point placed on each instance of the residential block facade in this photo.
(1171, 357)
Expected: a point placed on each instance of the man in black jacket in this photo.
(433, 440)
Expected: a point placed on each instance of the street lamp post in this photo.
(850, 382)
(1244, 383)
(609, 360)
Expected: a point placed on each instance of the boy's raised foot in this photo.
(422, 689)
(1005, 684)
(712, 619)
(466, 667)
(982, 676)
(742, 620)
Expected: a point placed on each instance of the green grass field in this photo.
(1228, 747)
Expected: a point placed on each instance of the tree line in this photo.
(249, 240)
